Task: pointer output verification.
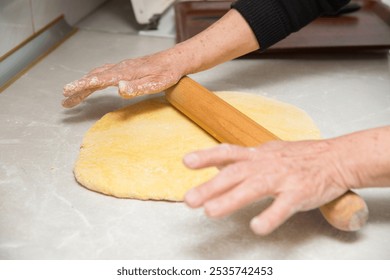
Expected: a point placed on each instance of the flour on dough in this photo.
(136, 152)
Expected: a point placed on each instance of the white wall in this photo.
(15, 23)
(20, 19)
(45, 11)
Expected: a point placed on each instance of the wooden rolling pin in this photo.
(225, 123)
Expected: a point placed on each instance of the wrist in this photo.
(186, 58)
(348, 168)
(364, 157)
(228, 38)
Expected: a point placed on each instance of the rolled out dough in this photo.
(136, 152)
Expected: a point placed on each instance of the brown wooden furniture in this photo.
(365, 29)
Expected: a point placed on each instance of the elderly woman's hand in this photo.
(133, 77)
(299, 176)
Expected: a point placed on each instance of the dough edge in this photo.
(163, 176)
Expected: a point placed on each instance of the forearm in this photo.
(249, 26)
(364, 157)
(228, 38)
(245, 28)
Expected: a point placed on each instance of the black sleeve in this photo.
(273, 20)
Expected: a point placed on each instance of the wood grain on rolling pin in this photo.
(225, 123)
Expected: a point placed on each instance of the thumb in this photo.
(129, 89)
(274, 216)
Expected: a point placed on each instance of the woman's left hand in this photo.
(300, 176)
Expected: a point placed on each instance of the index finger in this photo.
(94, 79)
(220, 155)
(76, 98)
(97, 81)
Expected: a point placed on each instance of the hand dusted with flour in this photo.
(133, 77)
(157, 72)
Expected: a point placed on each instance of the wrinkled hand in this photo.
(133, 77)
(300, 176)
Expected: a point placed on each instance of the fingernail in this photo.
(192, 198)
(191, 160)
(259, 227)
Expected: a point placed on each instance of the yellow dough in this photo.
(137, 151)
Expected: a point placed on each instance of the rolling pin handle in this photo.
(348, 212)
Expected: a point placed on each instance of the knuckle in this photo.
(125, 90)
(233, 169)
(228, 149)
(93, 81)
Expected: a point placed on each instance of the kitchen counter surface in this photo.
(45, 214)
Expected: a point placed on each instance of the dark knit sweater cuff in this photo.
(266, 18)
(273, 20)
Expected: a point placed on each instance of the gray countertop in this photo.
(45, 214)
